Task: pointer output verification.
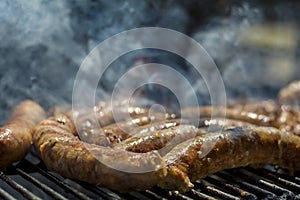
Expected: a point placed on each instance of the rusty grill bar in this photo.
(30, 180)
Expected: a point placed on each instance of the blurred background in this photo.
(255, 44)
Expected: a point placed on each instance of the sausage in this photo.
(218, 123)
(125, 129)
(162, 140)
(288, 119)
(16, 135)
(114, 133)
(158, 125)
(267, 113)
(290, 94)
(63, 152)
(104, 115)
(88, 121)
(230, 113)
(208, 153)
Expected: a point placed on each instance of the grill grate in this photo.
(29, 179)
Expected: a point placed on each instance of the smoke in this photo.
(254, 47)
(44, 42)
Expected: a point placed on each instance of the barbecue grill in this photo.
(43, 44)
(29, 179)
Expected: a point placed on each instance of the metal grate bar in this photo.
(63, 185)
(161, 192)
(283, 192)
(233, 189)
(267, 184)
(288, 182)
(297, 179)
(136, 195)
(42, 186)
(177, 195)
(5, 195)
(233, 184)
(103, 192)
(18, 187)
(154, 195)
(249, 187)
(210, 188)
(199, 195)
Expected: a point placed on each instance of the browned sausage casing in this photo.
(231, 113)
(16, 135)
(115, 133)
(162, 140)
(64, 153)
(222, 123)
(266, 113)
(209, 153)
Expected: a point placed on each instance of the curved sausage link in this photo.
(16, 135)
(115, 133)
(218, 123)
(209, 153)
(63, 152)
(91, 117)
(231, 113)
(163, 139)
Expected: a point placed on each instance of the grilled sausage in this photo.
(114, 133)
(88, 121)
(125, 129)
(162, 140)
(231, 113)
(16, 135)
(218, 123)
(265, 107)
(103, 116)
(288, 119)
(64, 153)
(158, 125)
(266, 113)
(290, 95)
(209, 153)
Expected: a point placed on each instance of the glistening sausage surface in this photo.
(113, 134)
(16, 135)
(162, 140)
(231, 113)
(64, 153)
(209, 153)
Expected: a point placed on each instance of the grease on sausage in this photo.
(63, 152)
(16, 135)
(209, 153)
